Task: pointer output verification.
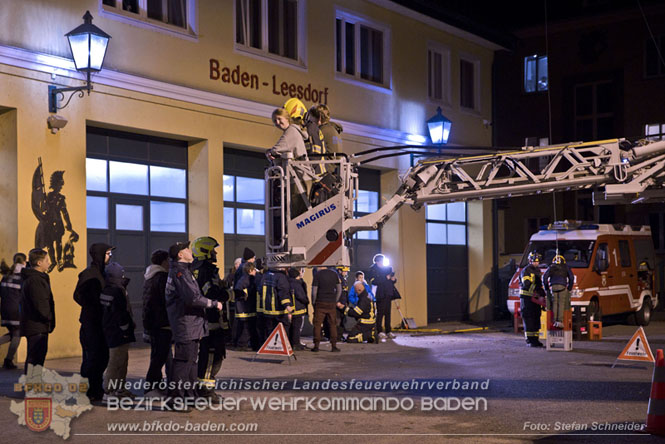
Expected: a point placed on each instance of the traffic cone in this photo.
(656, 411)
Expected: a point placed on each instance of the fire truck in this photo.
(613, 266)
(320, 234)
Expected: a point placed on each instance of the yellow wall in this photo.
(40, 25)
(161, 56)
(403, 241)
(480, 259)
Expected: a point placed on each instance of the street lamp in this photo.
(439, 128)
(88, 45)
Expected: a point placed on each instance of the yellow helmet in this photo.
(204, 247)
(295, 108)
(558, 259)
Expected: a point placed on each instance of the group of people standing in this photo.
(189, 312)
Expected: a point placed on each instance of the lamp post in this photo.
(88, 45)
(439, 128)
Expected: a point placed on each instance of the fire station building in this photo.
(169, 144)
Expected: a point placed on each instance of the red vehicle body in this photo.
(613, 266)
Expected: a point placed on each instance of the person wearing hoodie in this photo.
(118, 329)
(37, 307)
(155, 319)
(10, 297)
(353, 296)
(185, 306)
(95, 351)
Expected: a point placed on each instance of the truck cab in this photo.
(613, 266)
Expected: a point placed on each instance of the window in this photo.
(244, 198)
(535, 74)
(361, 49)
(244, 202)
(438, 74)
(469, 84)
(644, 252)
(271, 27)
(173, 15)
(367, 202)
(654, 131)
(446, 223)
(164, 188)
(577, 253)
(654, 66)
(594, 110)
(624, 253)
(602, 258)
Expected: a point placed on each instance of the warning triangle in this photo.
(638, 348)
(277, 343)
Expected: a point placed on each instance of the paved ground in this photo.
(531, 393)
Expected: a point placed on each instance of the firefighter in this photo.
(363, 311)
(531, 290)
(244, 336)
(212, 348)
(300, 302)
(558, 280)
(309, 124)
(277, 306)
(261, 334)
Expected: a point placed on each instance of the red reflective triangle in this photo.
(277, 343)
(638, 348)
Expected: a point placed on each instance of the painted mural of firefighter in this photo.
(51, 211)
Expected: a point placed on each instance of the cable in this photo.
(653, 38)
(549, 116)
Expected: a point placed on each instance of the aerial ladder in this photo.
(616, 171)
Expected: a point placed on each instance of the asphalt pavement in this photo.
(469, 387)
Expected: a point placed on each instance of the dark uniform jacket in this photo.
(245, 294)
(154, 302)
(212, 287)
(10, 297)
(89, 286)
(385, 288)
(258, 282)
(117, 318)
(558, 274)
(37, 305)
(185, 305)
(299, 298)
(276, 293)
(331, 135)
(364, 310)
(344, 297)
(530, 281)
